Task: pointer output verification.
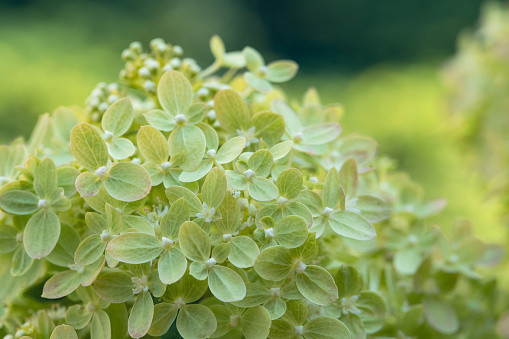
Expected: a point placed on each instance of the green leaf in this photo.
(190, 141)
(320, 134)
(440, 315)
(161, 120)
(203, 169)
(348, 281)
(88, 147)
(255, 295)
(261, 162)
(21, 262)
(257, 83)
(292, 121)
(243, 251)
(262, 189)
(141, 315)
(276, 307)
(317, 285)
(64, 332)
(127, 181)
(114, 287)
(61, 284)
(289, 183)
(176, 216)
(331, 189)
(291, 231)
(153, 145)
(41, 233)
(214, 188)
(172, 266)
(67, 179)
(373, 208)
(120, 148)
(348, 177)
(351, 225)
(8, 241)
(77, 316)
(88, 184)
(89, 250)
(174, 193)
(281, 149)
(45, 180)
(236, 180)
(197, 112)
(118, 117)
(230, 150)
(326, 328)
(118, 316)
(175, 93)
(281, 71)
(217, 47)
(194, 242)
(134, 248)
(255, 323)
(196, 322)
(231, 215)
(101, 326)
(92, 271)
(231, 111)
(274, 263)
(164, 316)
(19, 202)
(254, 59)
(372, 308)
(226, 285)
(68, 242)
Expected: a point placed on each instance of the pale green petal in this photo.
(88, 184)
(289, 183)
(236, 180)
(127, 181)
(317, 285)
(190, 141)
(174, 193)
(231, 111)
(226, 285)
(320, 134)
(88, 147)
(194, 242)
(41, 233)
(274, 263)
(19, 202)
(281, 71)
(257, 83)
(164, 316)
(349, 177)
(160, 120)
(134, 248)
(89, 250)
(230, 150)
(291, 231)
(255, 323)
(243, 251)
(141, 315)
(172, 266)
(214, 188)
(196, 322)
(101, 326)
(64, 332)
(326, 328)
(175, 93)
(61, 284)
(45, 180)
(351, 225)
(118, 117)
(153, 145)
(262, 189)
(120, 148)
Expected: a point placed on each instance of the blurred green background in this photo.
(380, 59)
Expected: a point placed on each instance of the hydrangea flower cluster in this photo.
(203, 204)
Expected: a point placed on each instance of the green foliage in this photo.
(258, 227)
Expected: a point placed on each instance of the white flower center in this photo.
(327, 211)
(275, 291)
(165, 166)
(207, 213)
(101, 171)
(211, 262)
(105, 236)
(140, 284)
(167, 242)
(300, 268)
(227, 237)
(249, 173)
(249, 135)
(211, 153)
(180, 119)
(262, 71)
(299, 330)
(43, 203)
(348, 305)
(282, 200)
(298, 137)
(78, 268)
(269, 234)
(108, 136)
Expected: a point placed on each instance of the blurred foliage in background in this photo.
(379, 58)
